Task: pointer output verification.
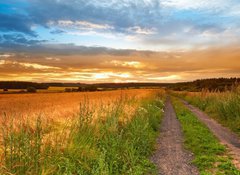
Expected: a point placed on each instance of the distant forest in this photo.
(219, 84)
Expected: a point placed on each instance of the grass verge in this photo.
(109, 146)
(209, 155)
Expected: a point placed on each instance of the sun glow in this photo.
(167, 78)
(132, 64)
(110, 75)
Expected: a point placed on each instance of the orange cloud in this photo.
(134, 67)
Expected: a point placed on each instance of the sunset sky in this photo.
(119, 40)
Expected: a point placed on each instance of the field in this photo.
(135, 131)
(60, 104)
(79, 133)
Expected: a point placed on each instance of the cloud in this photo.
(27, 65)
(139, 30)
(137, 66)
(17, 40)
(166, 78)
(131, 64)
(152, 22)
(191, 4)
(37, 46)
(6, 55)
(36, 66)
(57, 31)
(16, 23)
(52, 59)
(81, 25)
(69, 40)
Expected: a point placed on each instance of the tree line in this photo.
(213, 84)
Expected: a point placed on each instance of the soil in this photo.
(170, 157)
(225, 136)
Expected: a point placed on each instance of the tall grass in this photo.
(106, 145)
(224, 107)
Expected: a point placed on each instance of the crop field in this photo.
(79, 133)
(60, 104)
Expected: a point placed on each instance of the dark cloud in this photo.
(16, 23)
(18, 42)
(22, 44)
(120, 14)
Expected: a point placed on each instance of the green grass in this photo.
(107, 147)
(223, 107)
(209, 155)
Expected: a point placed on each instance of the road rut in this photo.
(170, 156)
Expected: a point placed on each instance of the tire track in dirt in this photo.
(225, 136)
(170, 156)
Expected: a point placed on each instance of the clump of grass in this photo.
(86, 145)
(21, 145)
(209, 155)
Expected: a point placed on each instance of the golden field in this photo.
(58, 110)
(60, 104)
(80, 127)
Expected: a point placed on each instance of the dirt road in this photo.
(226, 137)
(170, 156)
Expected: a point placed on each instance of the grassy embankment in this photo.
(106, 146)
(223, 107)
(209, 155)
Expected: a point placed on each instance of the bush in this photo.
(91, 88)
(68, 90)
(31, 90)
(80, 89)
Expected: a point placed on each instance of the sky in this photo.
(119, 40)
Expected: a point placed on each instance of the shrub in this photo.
(31, 89)
(68, 90)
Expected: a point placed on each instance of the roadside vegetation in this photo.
(224, 107)
(101, 141)
(209, 155)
